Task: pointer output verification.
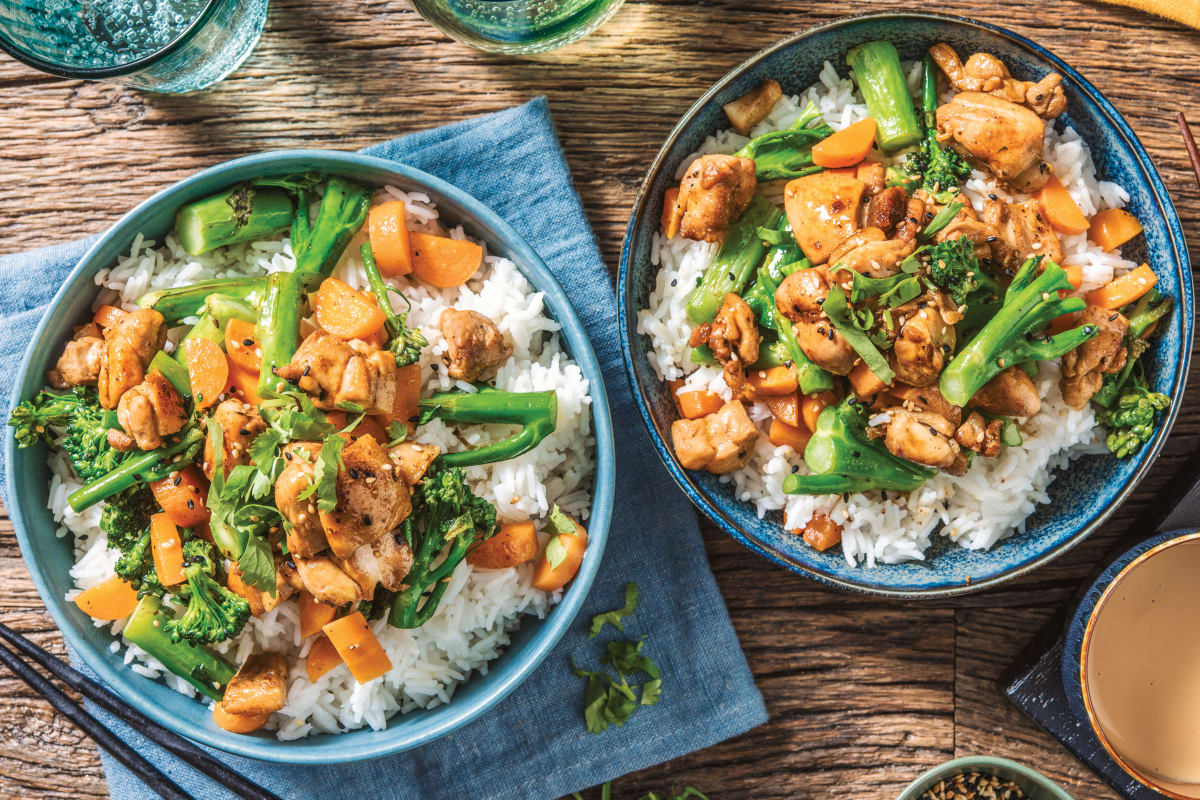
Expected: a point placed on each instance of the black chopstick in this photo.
(103, 697)
(143, 769)
(1190, 144)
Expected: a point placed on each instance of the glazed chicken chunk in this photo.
(983, 72)
(240, 423)
(799, 298)
(129, 344)
(305, 535)
(372, 498)
(733, 338)
(329, 583)
(343, 374)
(997, 134)
(823, 210)
(261, 602)
(714, 192)
(925, 339)
(79, 364)
(1012, 393)
(259, 687)
(720, 442)
(1021, 231)
(1084, 368)
(147, 413)
(980, 435)
(385, 562)
(412, 459)
(924, 438)
(476, 346)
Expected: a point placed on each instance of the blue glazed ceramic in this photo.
(1084, 496)
(49, 557)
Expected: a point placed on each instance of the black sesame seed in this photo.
(674, 281)
(305, 372)
(992, 239)
(1113, 317)
(846, 496)
(191, 504)
(178, 478)
(991, 196)
(248, 342)
(795, 468)
(244, 432)
(366, 520)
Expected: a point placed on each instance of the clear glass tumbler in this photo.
(516, 26)
(158, 45)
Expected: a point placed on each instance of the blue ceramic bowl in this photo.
(1082, 497)
(49, 557)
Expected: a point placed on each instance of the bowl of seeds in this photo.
(983, 778)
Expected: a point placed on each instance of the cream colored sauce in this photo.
(1143, 667)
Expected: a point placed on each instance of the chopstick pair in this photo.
(107, 700)
(1189, 143)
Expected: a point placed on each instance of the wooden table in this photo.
(862, 694)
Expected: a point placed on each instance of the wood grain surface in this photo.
(863, 694)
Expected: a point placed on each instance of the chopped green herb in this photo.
(614, 617)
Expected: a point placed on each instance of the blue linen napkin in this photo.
(533, 745)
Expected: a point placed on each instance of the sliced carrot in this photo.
(208, 370)
(697, 404)
(358, 647)
(321, 658)
(244, 385)
(112, 599)
(167, 548)
(786, 408)
(514, 544)
(866, 384)
(1125, 289)
(672, 213)
(314, 615)
(1113, 227)
(1064, 322)
(1060, 208)
(344, 311)
(1074, 275)
(822, 533)
(183, 496)
(106, 316)
(238, 723)
(389, 238)
(408, 394)
(241, 346)
(774, 381)
(811, 407)
(444, 262)
(781, 434)
(847, 147)
(549, 579)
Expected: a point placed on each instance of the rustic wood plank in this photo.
(863, 694)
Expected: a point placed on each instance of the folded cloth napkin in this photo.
(1187, 12)
(533, 745)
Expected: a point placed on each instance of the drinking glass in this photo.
(158, 45)
(516, 26)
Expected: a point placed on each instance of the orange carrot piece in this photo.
(774, 381)
(408, 394)
(167, 548)
(107, 316)
(112, 599)
(344, 311)
(358, 647)
(1125, 289)
(241, 346)
(1074, 275)
(514, 544)
(697, 404)
(1113, 227)
(781, 434)
(847, 147)
(549, 579)
(866, 384)
(208, 370)
(321, 658)
(389, 238)
(822, 533)
(238, 723)
(244, 385)
(1060, 208)
(314, 615)
(786, 408)
(672, 213)
(1064, 322)
(444, 262)
(183, 496)
(367, 425)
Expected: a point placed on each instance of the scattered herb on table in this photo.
(614, 617)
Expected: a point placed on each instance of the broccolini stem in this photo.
(224, 307)
(235, 215)
(881, 80)
(404, 342)
(929, 94)
(408, 610)
(787, 153)
(344, 208)
(178, 303)
(278, 328)
(199, 666)
(535, 412)
(150, 466)
(734, 263)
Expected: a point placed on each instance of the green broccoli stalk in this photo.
(1132, 418)
(405, 343)
(214, 613)
(139, 468)
(1145, 313)
(250, 210)
(535, 412)
(761, 299)
(876, 67)
(787, 153)
(941, 169)
(730, 271)
(199, 666)
(453, 518)
(1014, 335)
(278, 329)
(343, 211)
(844, 459)
(179, 302)
(33, 419)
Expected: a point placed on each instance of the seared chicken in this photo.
(967, 223)
(997, 134)
(259, 687)
(148, 412)
(476, 346)
(980, 435)
(714, 192)
(924, 438)
(329, 583)
(983, 72)
(306, 535)
(261, 602)
(372, 498)
(720, 442)
(343, 374)
(129, 344)
(79, 364)
(412, 459)
(240, 423)
(384, 562)
(926, 398)
(799, 298)
(1084, 368)
(1012, 393)
(925, 339)
(1022, 230)
(823, 210)
(733, 338)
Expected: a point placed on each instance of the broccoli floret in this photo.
(126, 516)
(954, 268)
(404, 342)
(844, 459)
(86, 426)
(941, 169)
(1132, 418)
(136, 566)
(33, 419)
(214, 613)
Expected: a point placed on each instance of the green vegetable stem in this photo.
(535, 412)
(788, 153)
(236, 215)
(179, 302)
(881, 80)
(199, 666)
(146, 467)
(404, 342)
(343, 211)
(731, 269)
(278, 328)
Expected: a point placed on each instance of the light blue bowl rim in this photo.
(711, 509)
(977, 762)
(404, 735)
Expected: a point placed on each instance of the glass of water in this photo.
(158, 45)
(516, 26)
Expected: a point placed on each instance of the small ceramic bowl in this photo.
(1075, 653)
(1035, 785)
(1081, 497)
(49, 558)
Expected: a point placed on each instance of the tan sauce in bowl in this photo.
(1143, 667)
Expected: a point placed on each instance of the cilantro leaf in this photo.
(558, 524)
(325, 470)
(256, 564)
(556, 552)
(397, 432)
(610, 617)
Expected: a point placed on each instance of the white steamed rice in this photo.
(481, 607)
(976, 511)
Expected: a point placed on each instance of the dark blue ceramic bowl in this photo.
(49, 558)
(1085, 495)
